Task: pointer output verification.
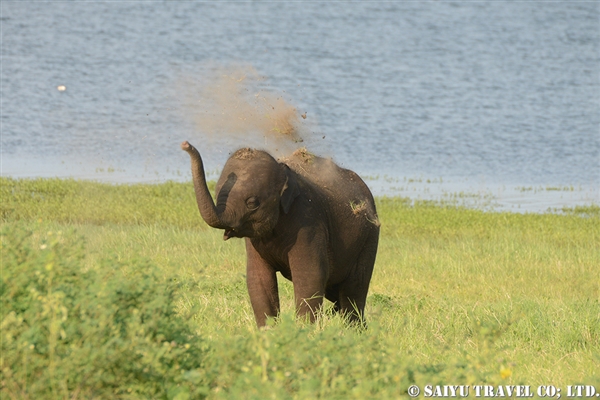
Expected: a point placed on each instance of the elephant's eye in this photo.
(252, 203)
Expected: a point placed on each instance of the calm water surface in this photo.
(500, 101)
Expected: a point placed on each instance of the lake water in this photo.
(496, 101)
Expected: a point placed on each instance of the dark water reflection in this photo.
(483, 97)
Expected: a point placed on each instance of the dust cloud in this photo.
(236, 103)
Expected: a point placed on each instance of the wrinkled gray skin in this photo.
(304, 217)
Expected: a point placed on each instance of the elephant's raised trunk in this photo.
(206, 205)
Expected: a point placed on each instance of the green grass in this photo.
(121, 291)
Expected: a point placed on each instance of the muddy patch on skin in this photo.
(244, 154)
(304, 155)
(299, 156)
(358, 206)
(374, 221)
(362, 208)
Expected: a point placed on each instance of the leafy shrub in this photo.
(68, 332)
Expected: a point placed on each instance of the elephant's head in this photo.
(252, 191)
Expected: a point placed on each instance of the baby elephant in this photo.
(304, 217)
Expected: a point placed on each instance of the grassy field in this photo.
(122, 292)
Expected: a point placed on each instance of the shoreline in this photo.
(488, 197)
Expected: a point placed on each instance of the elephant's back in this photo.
(347, 196)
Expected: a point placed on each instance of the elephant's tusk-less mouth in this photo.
(229, 233)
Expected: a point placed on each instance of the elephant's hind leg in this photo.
(353, 292)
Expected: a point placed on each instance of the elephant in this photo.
(302, 216)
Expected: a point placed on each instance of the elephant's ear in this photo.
(290, 189)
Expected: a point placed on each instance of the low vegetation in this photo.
(122, 292)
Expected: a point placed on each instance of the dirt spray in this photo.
(236, 102)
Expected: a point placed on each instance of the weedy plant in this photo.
(68, 332)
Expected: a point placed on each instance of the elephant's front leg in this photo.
(262, 286)
(309, 268)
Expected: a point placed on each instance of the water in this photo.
(498, 101)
